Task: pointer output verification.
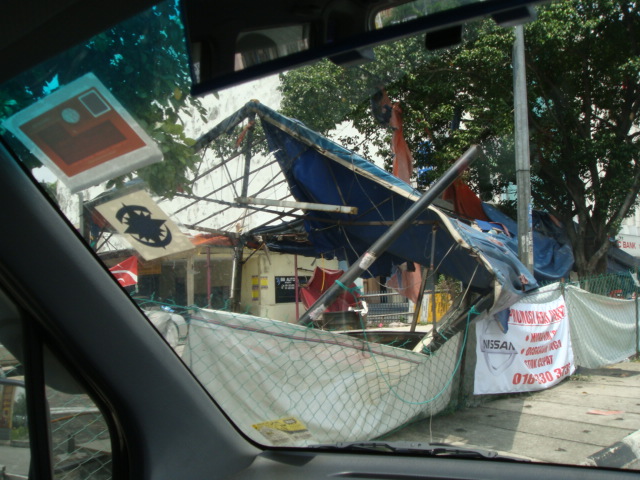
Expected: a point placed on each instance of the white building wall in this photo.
(629, 237)
(267, 278)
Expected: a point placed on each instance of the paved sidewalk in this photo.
(14, 461)
(592, 418)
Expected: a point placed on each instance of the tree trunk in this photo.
(590, 249)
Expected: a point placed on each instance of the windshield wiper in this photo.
(419, 448)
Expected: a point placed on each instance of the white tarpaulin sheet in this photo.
(535, 353)
(293, 385)
(603, 328)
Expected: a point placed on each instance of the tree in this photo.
(583, 74)
(585, 119)
(156, 100)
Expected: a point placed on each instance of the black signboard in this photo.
(286, 288)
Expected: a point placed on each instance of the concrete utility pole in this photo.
(523, 171)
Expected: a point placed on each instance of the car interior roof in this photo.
(63, 23)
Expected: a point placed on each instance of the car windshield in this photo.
(433, 239)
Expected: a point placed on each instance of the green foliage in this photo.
(52, 190)
(141, 53)
(449, 285)
(20, 433)
(583, 74)
(432, 89)
(583, 64)
(20, 405)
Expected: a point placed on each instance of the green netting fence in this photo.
(623, 285)
(80, 438)
(348, 386)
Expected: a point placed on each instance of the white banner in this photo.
(606, 332)
(534, 354)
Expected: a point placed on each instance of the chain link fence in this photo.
(80, 439)
(269, 375)
(622, 285)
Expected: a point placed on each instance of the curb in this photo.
(618, 455)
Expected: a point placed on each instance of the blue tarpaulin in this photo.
(552, 260)
(320, 171)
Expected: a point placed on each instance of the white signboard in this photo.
(629, 243)
(144, 225)
(534, 354)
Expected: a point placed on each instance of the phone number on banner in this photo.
(542, 378)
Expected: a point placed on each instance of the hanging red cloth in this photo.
(321, 280)
(402, 160)
(390, 115)
(406, 282)
(465, 202)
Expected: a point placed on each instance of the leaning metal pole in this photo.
(390, 236)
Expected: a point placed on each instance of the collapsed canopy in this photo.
(319, 171)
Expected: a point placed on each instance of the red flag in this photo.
(465, 202)
(390, 115)
(126, 271)
(407, 283)
(403, 160)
